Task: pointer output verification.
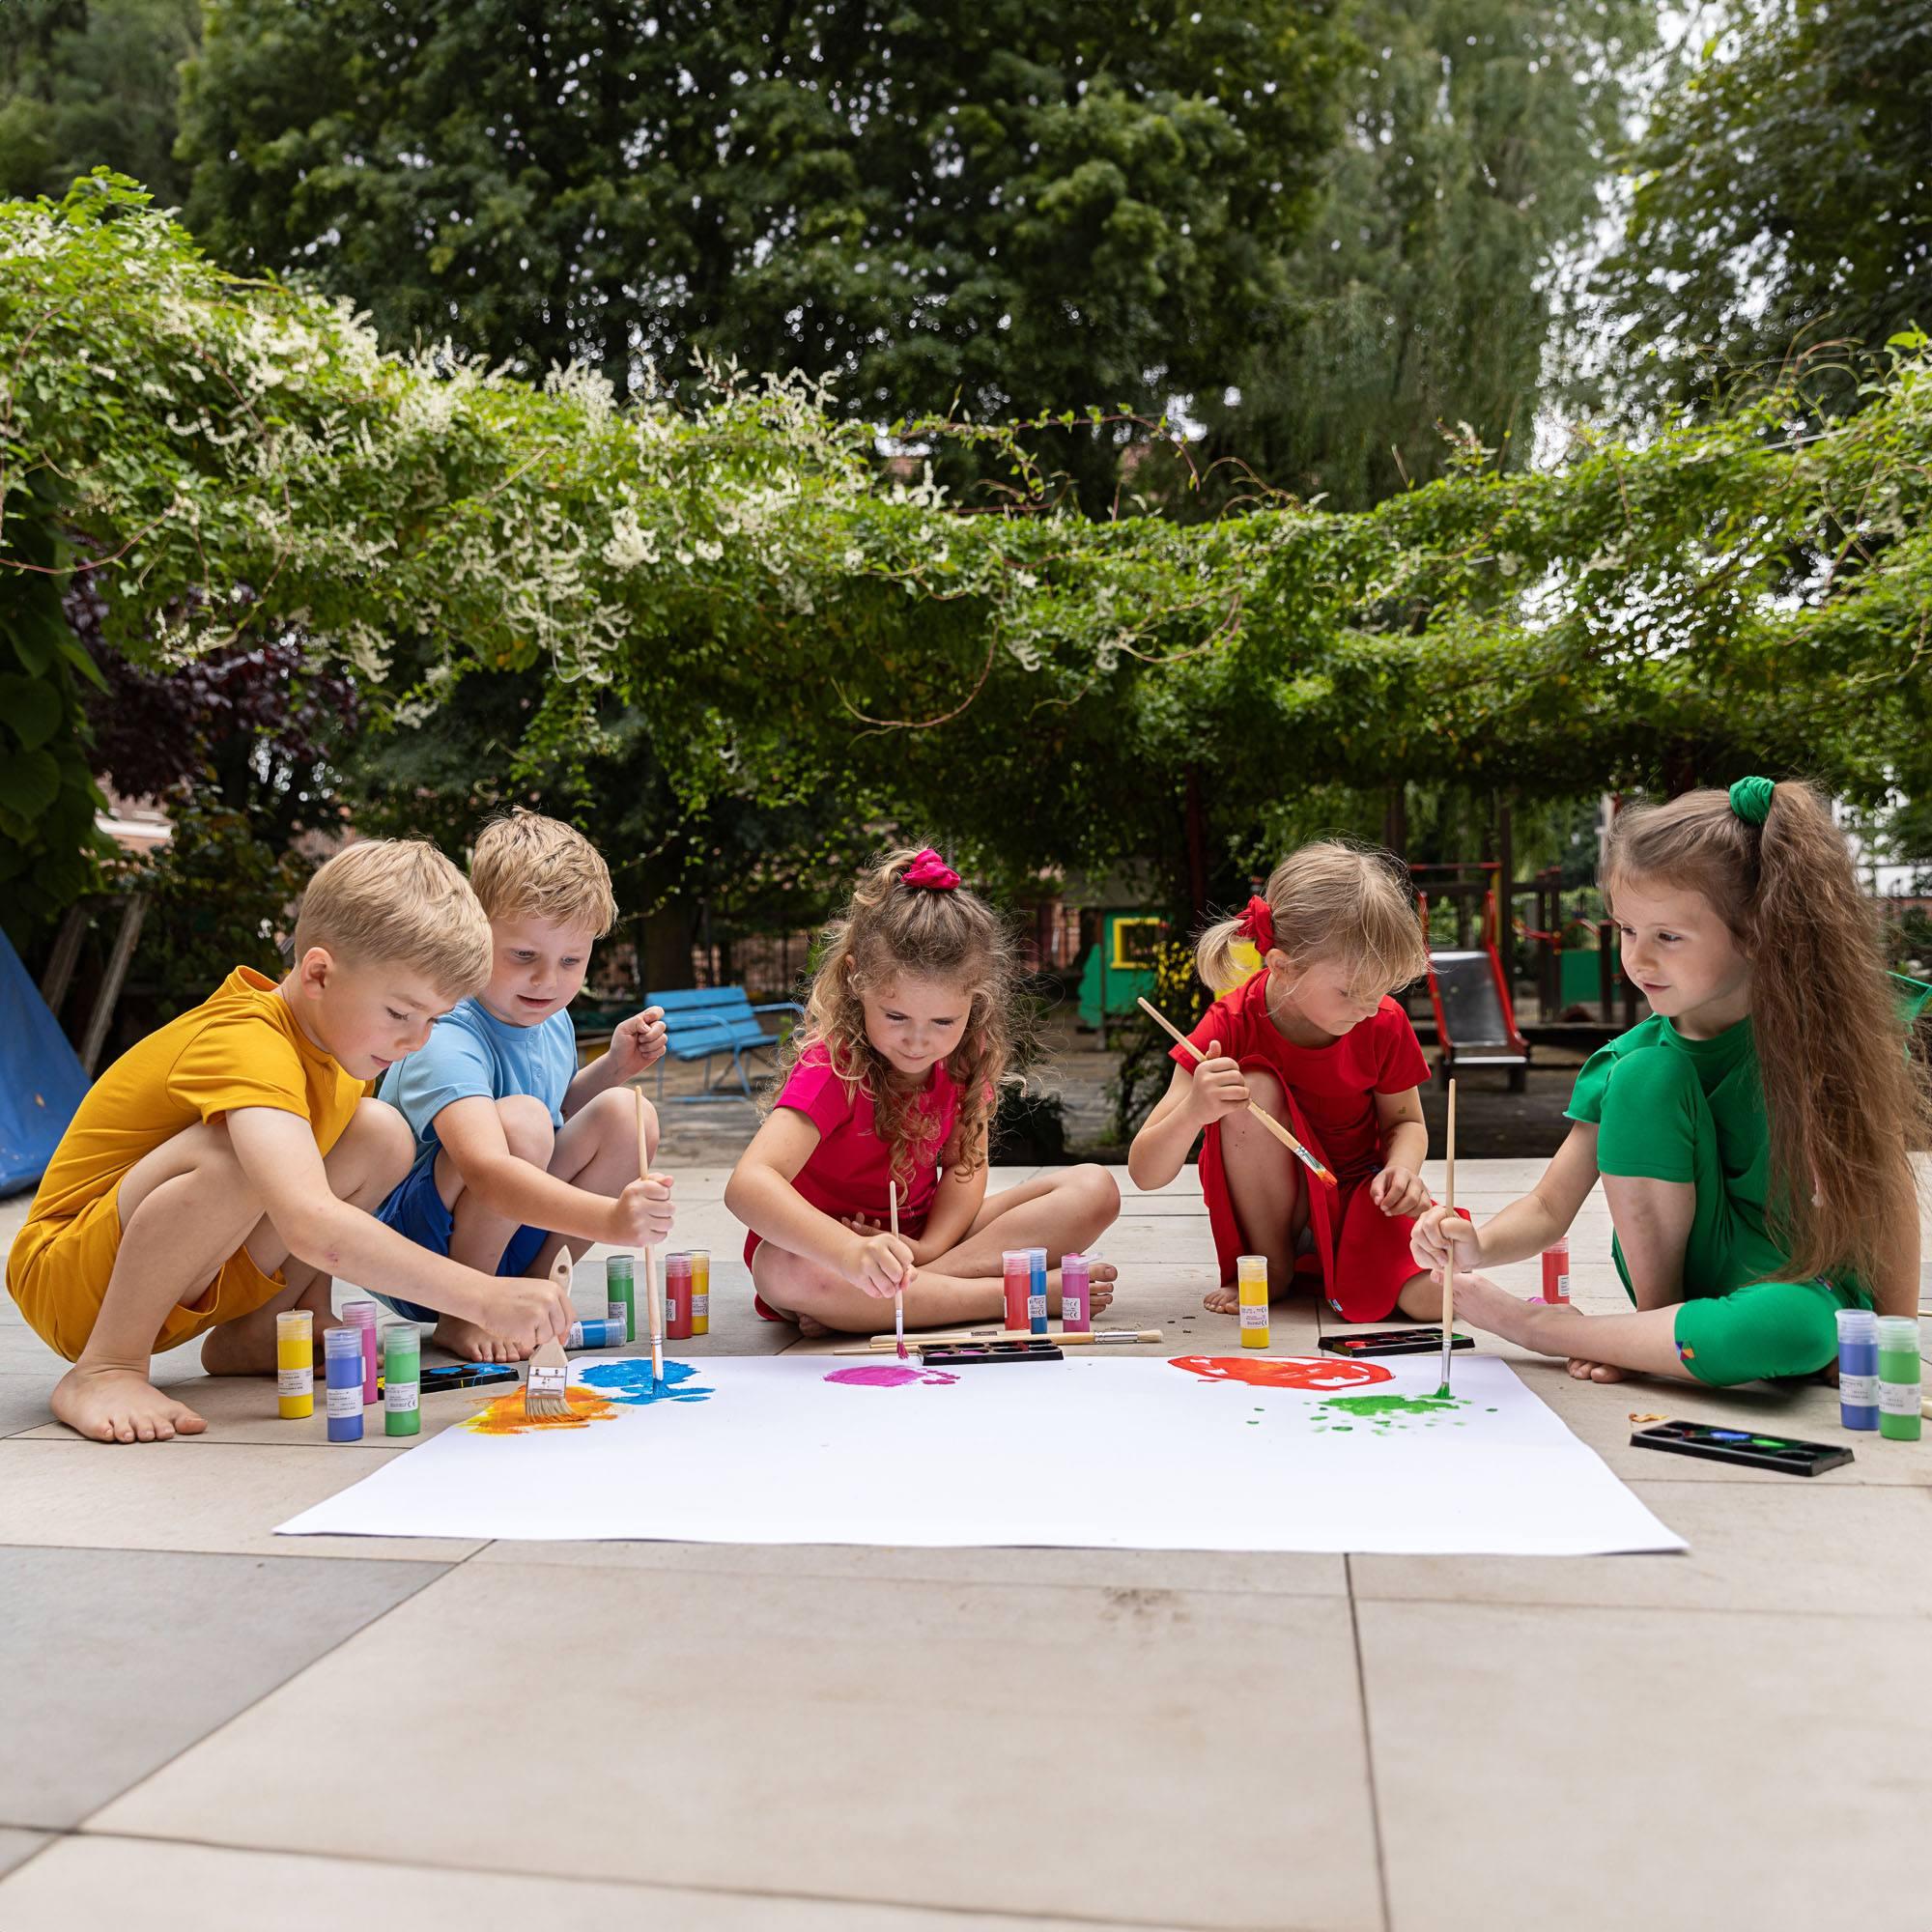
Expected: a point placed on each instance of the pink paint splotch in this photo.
(887, 1376)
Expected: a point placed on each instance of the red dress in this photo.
(1331, 1106)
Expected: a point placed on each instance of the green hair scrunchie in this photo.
(1750, 799)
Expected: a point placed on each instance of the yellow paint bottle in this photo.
(700, 1292)
(1251, 1274)
(294, 1364)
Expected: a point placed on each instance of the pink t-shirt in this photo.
(848, 1171)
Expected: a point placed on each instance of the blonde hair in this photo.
(1332, 900)
(1843, 1097)
(529, 866)
(400, 900)
(891, 929)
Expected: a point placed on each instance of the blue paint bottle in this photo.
(1036, 1291)
(594, 1334)
(1858, 1368)
(342, 1363)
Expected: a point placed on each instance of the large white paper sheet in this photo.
(1137, 1454)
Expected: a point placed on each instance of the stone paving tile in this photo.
(1150, 1754)
(16, 1847)
(86, 1881)
(117, 1660)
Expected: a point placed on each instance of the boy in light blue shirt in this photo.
(519, 1154)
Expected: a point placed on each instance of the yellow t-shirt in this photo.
(241, 1047)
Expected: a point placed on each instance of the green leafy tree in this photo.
(1783, 197)
(1022, 204)
(91, 83)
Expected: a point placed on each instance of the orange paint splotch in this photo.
(506, 1416)
(1305, 1371)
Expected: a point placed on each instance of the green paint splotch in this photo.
(1343, 1411)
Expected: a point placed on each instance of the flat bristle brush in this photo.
(547, 1393)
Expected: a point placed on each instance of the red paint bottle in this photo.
(1016, 1272)
(677, 1298)
(1556, 1271)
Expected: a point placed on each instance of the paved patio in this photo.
(208, 1726)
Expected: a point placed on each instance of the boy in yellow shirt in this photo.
(225, 1168)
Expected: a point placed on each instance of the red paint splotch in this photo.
(506, 1415)
(1325, 1373)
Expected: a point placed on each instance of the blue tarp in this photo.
(41, 1081)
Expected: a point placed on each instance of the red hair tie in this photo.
(928, 872)
(1257, 923)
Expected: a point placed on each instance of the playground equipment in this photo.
(1117, 971)
(1475, 1018)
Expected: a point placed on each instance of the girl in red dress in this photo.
(1314, 1040)
(890, 1079)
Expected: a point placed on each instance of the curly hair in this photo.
(1843, 1097)
(891, 929)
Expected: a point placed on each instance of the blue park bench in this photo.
(704, 1022)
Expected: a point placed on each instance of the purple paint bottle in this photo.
(342, 1365)
(1858, 1368)
(361, 1317)
(1077, 1308)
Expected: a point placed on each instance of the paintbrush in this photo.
(654, 1308)
(1261, 1113)
(898, 1293)
(546, 1395)
(1449, 1266)
(879, 1344)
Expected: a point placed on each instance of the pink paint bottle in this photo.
(1077, 1308)
(1556, 1271)
(1016, 1273)
(361, 1315)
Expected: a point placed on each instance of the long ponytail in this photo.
(1844, 1098)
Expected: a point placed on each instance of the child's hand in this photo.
(638, 1041)
(1218, 1088)
(1435, 1231)
(528, 1310)
(1395, 1190)
(880, 1264)
(640, 1216)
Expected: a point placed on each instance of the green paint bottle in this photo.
(1900, 1373)
(402, 1380)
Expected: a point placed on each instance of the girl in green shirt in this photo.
(1751, 1134)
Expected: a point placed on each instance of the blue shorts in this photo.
(415, 1210)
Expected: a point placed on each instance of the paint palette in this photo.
(974, 1354)
(1393, 1342)
(1783, 1453)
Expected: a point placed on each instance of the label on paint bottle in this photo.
(402, 1396)
(1036, 1309)
(1254, 1315)
(295, 1382)
(344, 1398)
(1861, 1391)
(1895, 1398)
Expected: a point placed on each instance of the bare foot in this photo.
(108, 1405)
(1226, 1298)
(469, 1343)
(1100, 1279)
(1594, 1372)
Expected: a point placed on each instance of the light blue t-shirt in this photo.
(470, 1052)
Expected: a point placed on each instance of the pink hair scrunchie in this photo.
(1257, 923)
(928, 872)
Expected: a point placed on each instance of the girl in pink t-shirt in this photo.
(893, 1077)
(1314, 1040)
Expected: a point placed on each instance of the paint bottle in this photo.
(701, 1291)
(1900, 1373)
(677, 1298)
(342, 1370)
(402, 1380)
(294, 1364)
(621, 1293)
(1076, 1311)
(1556, 1271)
(361, 1317)
(1251, 1277)
(1858, 1368)
(1017, 1276)
(606, 1334)
(1035, 1321)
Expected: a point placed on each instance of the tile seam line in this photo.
(1368, 1744)
(172, 1758)
(975, 1912)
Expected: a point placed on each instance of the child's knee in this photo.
(1093, 1191)
(381, 1136)
(1658, 1085)
(1266, 1092)
(1763, 1333)
(528, 1131)
(614, 1116)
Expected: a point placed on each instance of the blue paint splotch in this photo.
(628, 1381)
